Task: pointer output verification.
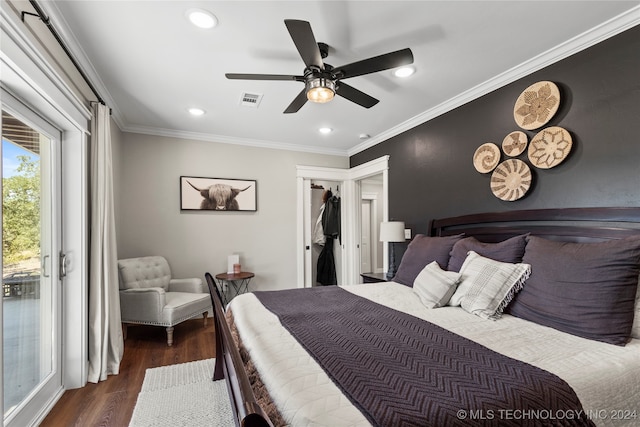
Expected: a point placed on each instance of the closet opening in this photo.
(326, 241)
(351, 185)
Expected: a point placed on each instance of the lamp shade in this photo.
(392, 231)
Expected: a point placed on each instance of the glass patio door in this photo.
(31, 300)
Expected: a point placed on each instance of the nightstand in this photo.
(234, 283)
(373, 277)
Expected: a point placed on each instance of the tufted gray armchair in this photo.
(149, 296)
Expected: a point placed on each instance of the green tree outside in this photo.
(21, 212)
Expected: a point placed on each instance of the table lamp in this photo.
(391, 232)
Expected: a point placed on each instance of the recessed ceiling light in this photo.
(325, 130)
(195, 111)
(404, 72)
(202, 18)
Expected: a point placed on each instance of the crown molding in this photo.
(591, 37)
(223, 139)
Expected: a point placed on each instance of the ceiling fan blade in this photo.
(234, 76)
(354, 95)
(297, 103)
(305, 41)
(375, 64)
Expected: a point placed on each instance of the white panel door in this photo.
(365, 238)
(31, 301)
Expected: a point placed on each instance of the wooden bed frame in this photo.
(569, 224)
(247, 412)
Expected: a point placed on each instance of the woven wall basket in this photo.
(537, 105)
(550, 147)
(486, 157)
(511, 180)
(515, 143)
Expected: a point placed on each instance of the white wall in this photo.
(150, 221)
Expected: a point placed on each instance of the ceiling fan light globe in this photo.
(320, 90)
(320, 95)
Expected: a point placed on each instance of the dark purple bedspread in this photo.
(403, 371)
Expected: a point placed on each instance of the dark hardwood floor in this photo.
(110, 403)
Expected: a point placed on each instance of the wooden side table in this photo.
(373, 277)
(238, 283)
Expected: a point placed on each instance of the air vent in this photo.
(250, 99)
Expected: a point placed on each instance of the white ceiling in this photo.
(150, 64)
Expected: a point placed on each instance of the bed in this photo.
(550, 336)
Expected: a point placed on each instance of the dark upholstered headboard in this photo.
(568, 224)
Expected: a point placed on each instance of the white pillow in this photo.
(487, 285)
(435, 286)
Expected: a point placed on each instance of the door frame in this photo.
(350, 215)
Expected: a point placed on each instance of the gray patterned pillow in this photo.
(488, 286)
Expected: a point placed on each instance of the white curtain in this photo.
(106, 344)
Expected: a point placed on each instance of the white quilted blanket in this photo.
(605, 377)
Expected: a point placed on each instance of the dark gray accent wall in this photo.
(431, 170)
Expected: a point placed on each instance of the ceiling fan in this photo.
(322, 81)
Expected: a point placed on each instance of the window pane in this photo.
(27, 297)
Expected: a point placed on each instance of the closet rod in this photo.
(44, 18)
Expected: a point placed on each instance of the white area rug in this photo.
(182, 395)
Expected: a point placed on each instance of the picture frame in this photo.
(218, 194)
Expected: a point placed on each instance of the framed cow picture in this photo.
(217, 194)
